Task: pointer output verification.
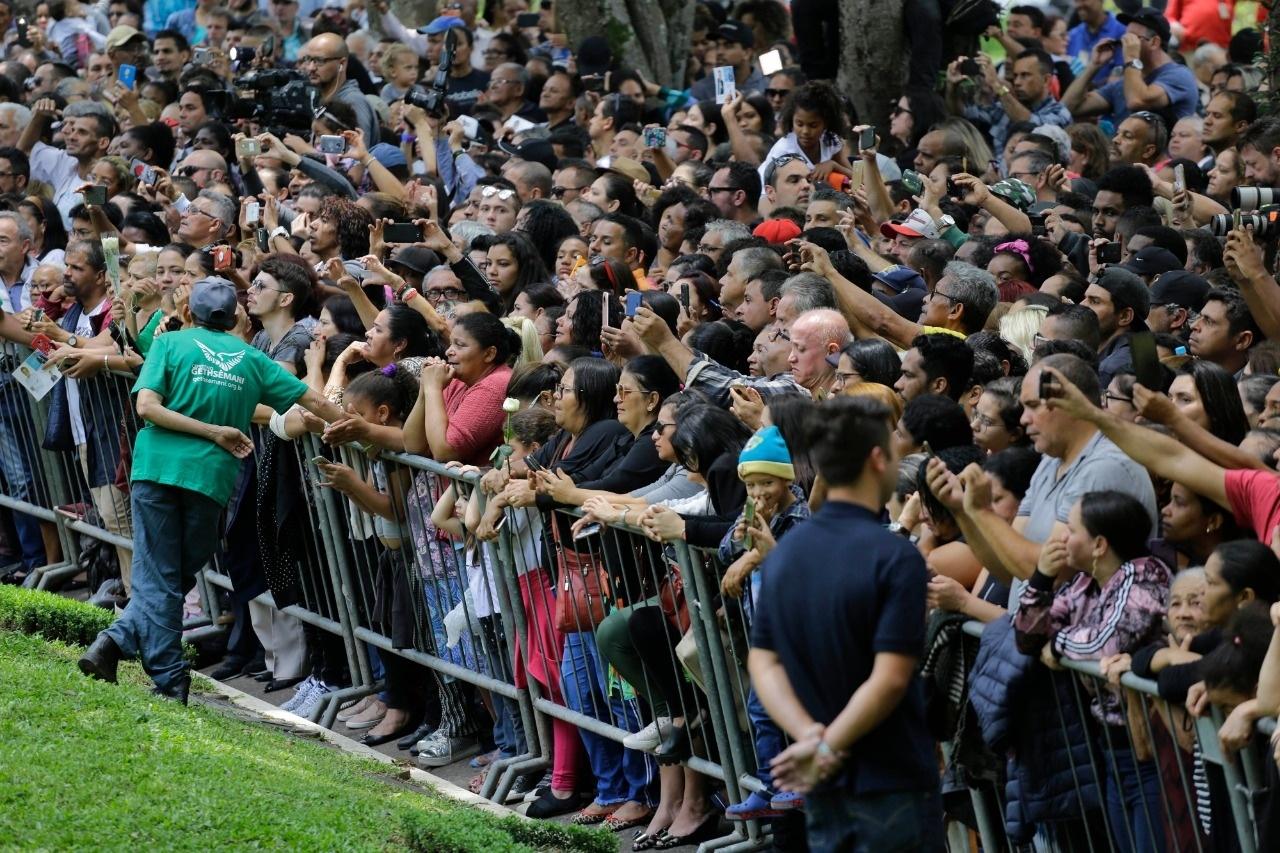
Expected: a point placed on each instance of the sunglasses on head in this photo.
(502, 194)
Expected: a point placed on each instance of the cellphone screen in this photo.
(1146, 362)
(633, 303)
(402, 232)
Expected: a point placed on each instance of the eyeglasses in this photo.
(843, 379)
(776, 93)
(194, 210)
(502, 194)
(661, 426)
(1108, 398)
(714, 190)
(317, 60)
(449, 294)
(495, 82)
(558, 192)
(561, 390)
(946, 296)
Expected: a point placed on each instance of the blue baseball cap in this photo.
(899, 278)
(441, 24)
(388, 155)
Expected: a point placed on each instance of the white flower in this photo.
(511, 405)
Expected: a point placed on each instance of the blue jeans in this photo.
(508, 728)
(175, 532)
(839, 822)
(768, 737)
(1132, 797)
(621, 774)
(18, 434)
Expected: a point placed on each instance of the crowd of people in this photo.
(1011, 354)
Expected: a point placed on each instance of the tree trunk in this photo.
(872, 57)
(1272, 58)
(652, 36)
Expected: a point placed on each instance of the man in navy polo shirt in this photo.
(835, 646)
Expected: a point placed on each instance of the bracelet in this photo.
(623, 518)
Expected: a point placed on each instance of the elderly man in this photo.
(13, 118)
(206, 169)
(814, 336)
(208, 219)
(506, 93)
(324, 61)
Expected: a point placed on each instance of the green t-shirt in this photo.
(216, 378)
(147, 334)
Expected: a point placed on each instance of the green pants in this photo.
(613, 638)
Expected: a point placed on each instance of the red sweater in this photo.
(475, 415)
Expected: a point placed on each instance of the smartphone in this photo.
(533, 464)
(519, 125)
(970, 68)
(593, 82)
(223, 258)
(527, 19)
(248, 147)
(589, 530)
(633, 302)
(1109, 254)
(1179, 178)
(96, 195)
(128, 76)
(1037, 224)
(912, 182)
(683, 296)
(470, 127)
(770, 62)
(867, 139)
(655, 137)
(24, 35)
(264, 240)
(201, 56)
(748, 517)
(1146, 361)
(604, 312)
(402, 232)
(331, 145)
(253, 212)
(143, 171)
(1048, 387)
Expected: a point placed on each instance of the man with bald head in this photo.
(206, 169)
(324, 61)
(815, 335)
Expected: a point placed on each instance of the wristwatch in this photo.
(1134, 63)
(278, 231)
(946, 221)
(73, 341)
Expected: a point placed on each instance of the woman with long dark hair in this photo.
(513, 263)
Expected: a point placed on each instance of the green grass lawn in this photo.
(88, 765)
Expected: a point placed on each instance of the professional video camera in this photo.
(282, 101)
(1258, 207)
(433, 101)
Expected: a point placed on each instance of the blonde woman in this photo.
(530, 339)
(1020, 327)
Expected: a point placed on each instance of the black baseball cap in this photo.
(419, 259)
(534, 150)
(1151, 18)
(1127, 291)
(1153, 260)
(1182, 288)
(736, 31)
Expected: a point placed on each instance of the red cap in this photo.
(777, 231)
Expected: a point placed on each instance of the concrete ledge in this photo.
(267, 711)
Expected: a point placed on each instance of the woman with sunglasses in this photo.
(912, 115)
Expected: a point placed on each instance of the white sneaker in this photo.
(300, 694)
(308, 707)
(437, 751)
(650, 737)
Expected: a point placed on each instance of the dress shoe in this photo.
(379, 740)
(178, 691)
(264, 676)
(282, 684)
(101, 659)
(229, 669)
(414, 736)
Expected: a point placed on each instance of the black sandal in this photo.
(707, 830)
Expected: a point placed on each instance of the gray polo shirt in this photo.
(1101, 466)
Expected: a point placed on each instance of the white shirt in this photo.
(61, 171)
(84, 330)
(830, 147)
(24, 295)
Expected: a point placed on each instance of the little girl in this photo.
(385, 397)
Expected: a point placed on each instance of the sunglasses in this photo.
(776, 93)
(502, 194)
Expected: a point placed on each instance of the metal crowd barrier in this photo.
(1183, 752)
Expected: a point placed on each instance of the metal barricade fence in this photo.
(1158, 774)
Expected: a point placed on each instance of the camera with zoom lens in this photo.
(282, 101)
(1248, 199)
(433, 100)
(1265, 221)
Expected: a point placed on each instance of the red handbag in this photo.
(582, 599)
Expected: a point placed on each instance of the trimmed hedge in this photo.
(33, 611)
(469, 831)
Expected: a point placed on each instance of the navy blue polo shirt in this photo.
(838, 590)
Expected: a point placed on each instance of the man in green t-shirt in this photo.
(197, 393)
